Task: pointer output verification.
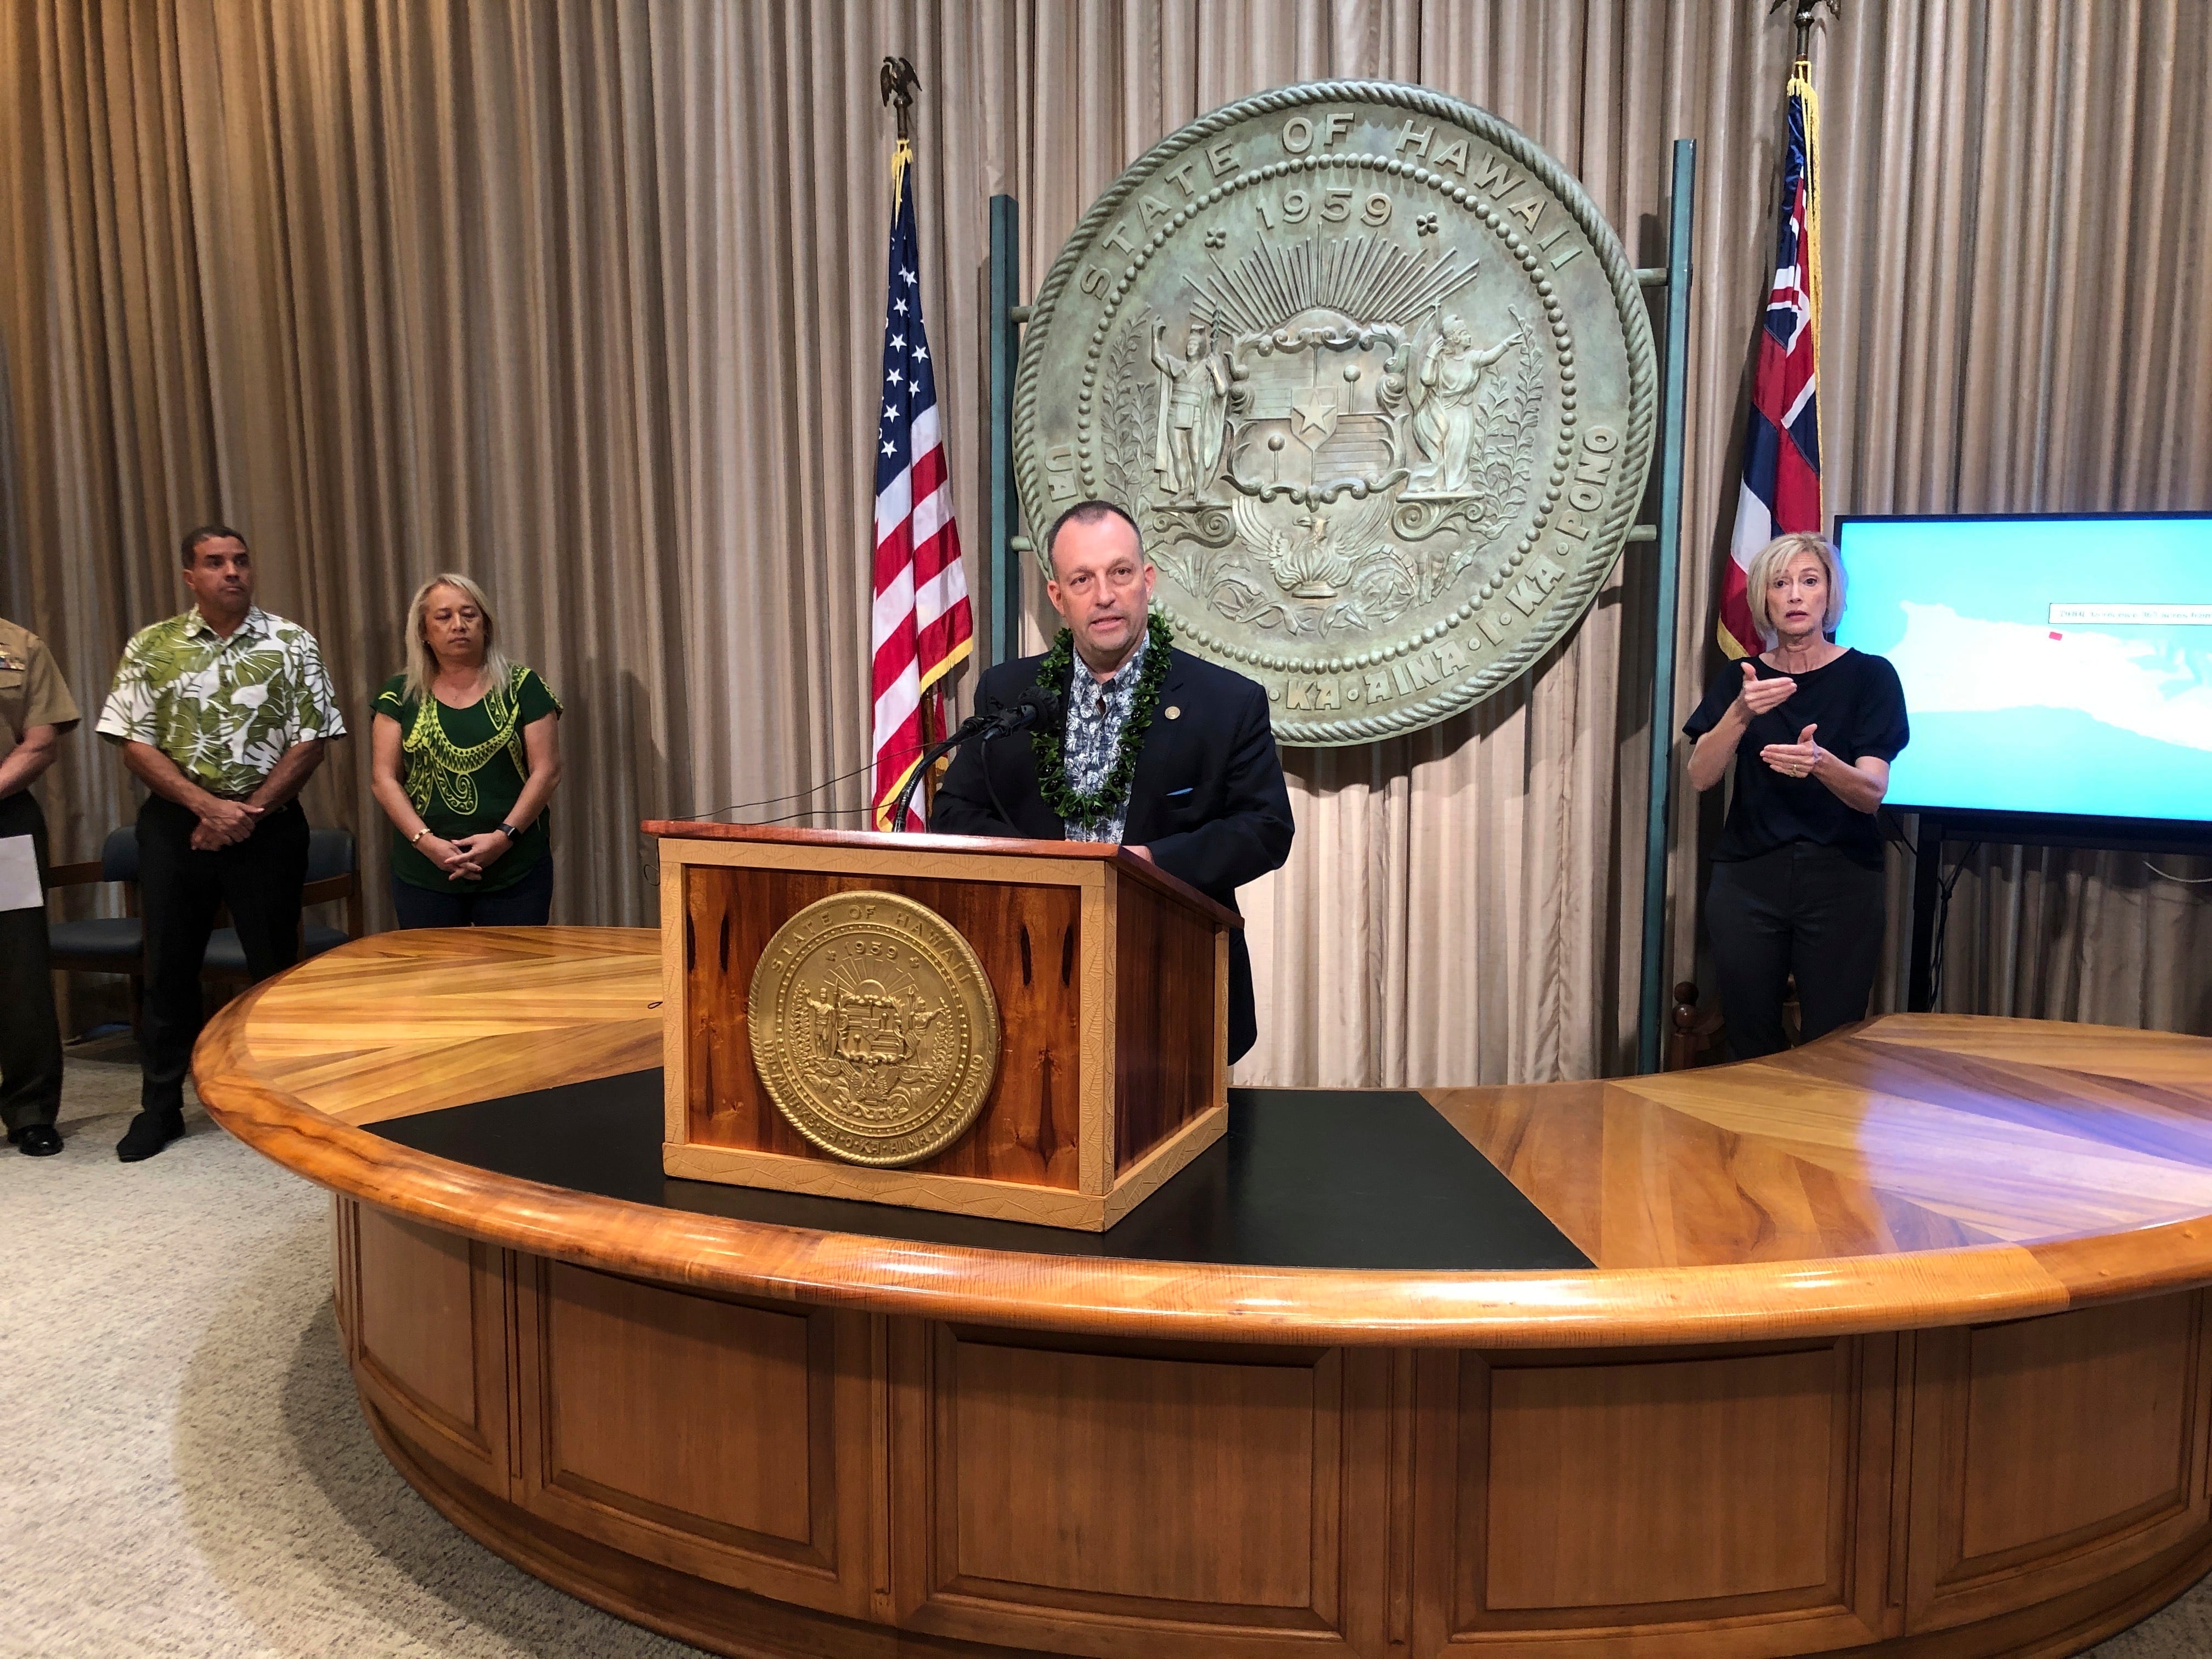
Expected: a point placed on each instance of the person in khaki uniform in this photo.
(36, 709)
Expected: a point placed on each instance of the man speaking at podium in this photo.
(1169, 754)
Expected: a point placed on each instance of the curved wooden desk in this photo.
(1896, 1344)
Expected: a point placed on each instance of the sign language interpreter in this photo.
(1797, 876)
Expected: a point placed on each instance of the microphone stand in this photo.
(1014, 717)
(991, 783)
(936, 751)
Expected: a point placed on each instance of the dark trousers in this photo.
(30, 1031)
(1800, 909)
(259, 878)
(528, 903)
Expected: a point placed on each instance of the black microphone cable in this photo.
(991, 783)
(808, 812)
(1037, 703)
(800, 794)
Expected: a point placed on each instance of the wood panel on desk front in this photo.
(2125, 1390)
(1666, 1504)
(728, 1439)
(427, 1319)
(1166, 1500)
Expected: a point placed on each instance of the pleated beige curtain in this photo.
(583, 299)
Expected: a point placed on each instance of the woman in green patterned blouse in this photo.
(466, 753)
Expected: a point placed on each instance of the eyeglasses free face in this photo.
(1116, 578)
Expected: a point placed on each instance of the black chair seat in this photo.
(119, 939)
(122, 940)
(225, 955)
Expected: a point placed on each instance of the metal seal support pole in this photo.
(1650, 1025)
(1005, 622)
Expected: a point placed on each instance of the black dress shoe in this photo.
(36, 1140)
(149, 1133)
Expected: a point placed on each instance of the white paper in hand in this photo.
(19, 874)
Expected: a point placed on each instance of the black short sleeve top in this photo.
(1858, 705)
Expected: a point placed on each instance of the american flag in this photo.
(1781, 489)
(923, 627)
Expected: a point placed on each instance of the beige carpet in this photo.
(183, 1467)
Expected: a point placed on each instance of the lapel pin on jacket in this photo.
(1174, 712)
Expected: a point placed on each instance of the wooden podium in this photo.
(1111, 980)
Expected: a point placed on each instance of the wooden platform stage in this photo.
(1896, 1345)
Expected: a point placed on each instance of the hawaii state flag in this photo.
(921, 625)
(1781, 489)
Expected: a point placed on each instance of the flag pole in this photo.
(898, 83)
(1802, 18)
(920, 626)
(1655, 999)
(1801, 85)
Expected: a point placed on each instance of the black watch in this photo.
(511, 834)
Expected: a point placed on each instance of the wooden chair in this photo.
(1699, 1037)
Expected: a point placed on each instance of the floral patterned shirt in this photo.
(224, 709)
(1096, 711)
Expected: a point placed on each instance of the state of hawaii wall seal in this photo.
(1376, 378)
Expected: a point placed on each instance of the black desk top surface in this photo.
(1304, 1178)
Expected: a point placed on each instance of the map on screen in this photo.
(2050, 664)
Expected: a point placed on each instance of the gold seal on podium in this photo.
(873, 1028)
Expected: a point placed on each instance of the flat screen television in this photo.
(2052, 665)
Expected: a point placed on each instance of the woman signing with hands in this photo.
(1797, 876)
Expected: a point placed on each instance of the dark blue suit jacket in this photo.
(1208, 800)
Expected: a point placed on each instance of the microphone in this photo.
(1038, 705)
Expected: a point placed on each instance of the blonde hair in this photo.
(1771, 558)
(423, 662)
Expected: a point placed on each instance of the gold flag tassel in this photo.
(902, 159)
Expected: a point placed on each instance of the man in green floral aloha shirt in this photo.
(222, 712)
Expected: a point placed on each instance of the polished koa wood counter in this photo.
(1895, 1344)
